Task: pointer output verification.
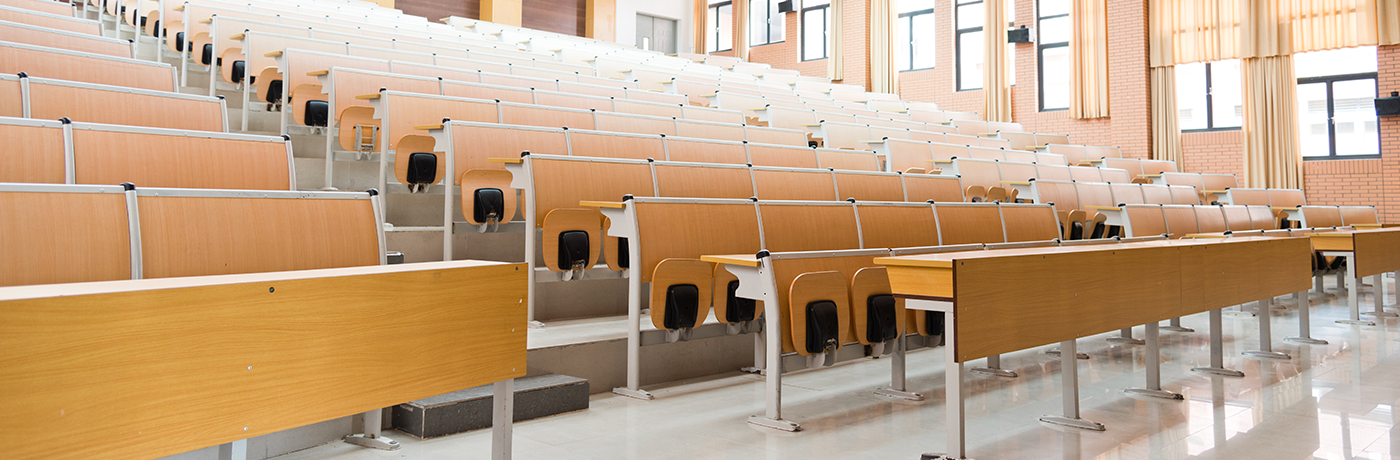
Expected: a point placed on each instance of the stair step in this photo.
(470, 409)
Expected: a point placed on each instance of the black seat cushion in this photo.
(1099, 229)
(239, 68)
(208, 55)
(880, 320)
(623, 258)
(682, 306)
(317, 112)
(738, 308)
(1076, 231)
(488, 203)
(180, 41)
(573, 249)
(422, 169)
(823, 330)
(934, 321)
(274, 92)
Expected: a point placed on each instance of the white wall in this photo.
(680, 10)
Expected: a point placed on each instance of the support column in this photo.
(956, 423)
(1378, 287)
(1304, 321)
(1265, 336)
(1154, 369)
(897, 387)
(1217, 350)
(1069, 382)
(994, 368)
(502, 418)
(1348, 281)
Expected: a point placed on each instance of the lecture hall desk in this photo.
(1369, 252)
(1000, 301)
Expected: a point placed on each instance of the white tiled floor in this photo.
(1335, 401)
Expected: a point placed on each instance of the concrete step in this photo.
(470, 409)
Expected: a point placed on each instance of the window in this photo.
(816, 20)
(1336, 103)
(1052, 53)
(914, 35)
(765, 22)
(1208, 96)
(721, 21)
(969, 43)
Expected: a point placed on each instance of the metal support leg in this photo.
(1266, 339)
(897, 372)
(1304, 320)
(1154, 369)
(994, 368)
(1125, 336)
(1239, 312)
(1069, 381)
(1378, 287)
(1056, 353)
(502, 417)
(238, 450)
(634, 332)
(1217, 350)
(1349, 283)
(773, 378)
(1317, 284)
(956, 424)
(759, 355)
(1175, 325)
(374, 421)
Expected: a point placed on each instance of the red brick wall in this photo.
(855, 44)
(1218, 152)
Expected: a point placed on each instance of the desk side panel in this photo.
(1377, 252)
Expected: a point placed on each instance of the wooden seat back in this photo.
(167, 158)
(1133, 166)
(793, 184)
(984, 173)
(1145, 220)
(781, 156)
(1150, 167)
(689, 180)
(35, 151)
(297, 68)
(64, 234)
(60, 64)
(87, 102)
(1237, 218)
(53, 38)
(1127, 194)
(925, 187)
(1094, 194)
(904, 154)
(1359, 215)
(1287, 198)
(1211, 219)
(869, 186)
(706, 151)
(41, 6)
(1187, 179)
(38, 13)
(849, 160)
(845, 135)
(967, 223)
(1322, 216)
(897, 225)
(1181, 220)
(1116, 176)
(1085, 174)
(1060, 194)
(1156, 194)
(1029, 222)
(1262, 217)
(787, 226)
(1052, 172)
(1249, 196)
(1017, 172)
(1182, 194)
(1219, 182)
(718, 131)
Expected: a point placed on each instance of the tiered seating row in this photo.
(43, 98)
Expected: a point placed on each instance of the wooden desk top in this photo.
(735, 259)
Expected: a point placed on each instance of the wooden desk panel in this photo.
(157, 367)
(1378, 251)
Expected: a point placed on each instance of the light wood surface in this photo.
(808, 228)
(11, 100)
(697, 151)
(517, 95)
(983, 173)
(545, 117)
(563, 184)
(1377, 251)
(1249, 197)
(33, 154)
(636, 125)
(1127, 193)
(143, 370)
(866, 282)
(348, 85)
(701, 182)
(1060, 194)
(174, 161)
(808, 286)
(1017, 171)
(851, 160)
(474, 144)
(946, 152)
(869, 187)
(692, 230)
(605, 145)
(1030, 223)
(1181, 220)
(483, 178)
(100, 106)
(561, 220)
(300, 64)
(1322, 216)
(969, 224)
(1210, 219)
(1133, 166)
(1085, 174)
(560, 100)
(725, 132)
(1237, 218)
(1286, 198)
(897, 226)
(1359, 215)
(1156, 194)
(1146, 220)
(406, 112)
(812, 185)
(40, 63)
(1219, 182)
(58, 8)
(921, 188)
(1187, 179)
(672, 272)
(68, 41)
(783, 157)
(1184, 195)
(903, 155)
(1116, 176)
(654, 110)
(63, 238)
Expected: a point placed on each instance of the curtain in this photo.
(1166, 134)
(702, 9)
(996, 93)
(1186, 31)
(883, 77)
(1271, 155)
(835, 63)
(1388, 22)
(740, 8)
(1089, 59)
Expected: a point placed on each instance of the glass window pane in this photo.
(924, 35)
(1010, 11)
(758, 22)
(903, 44)
(814, 34)
(1055, 30)
(812, 3)
(713, 44)
(1226, 105)
(908, 6)
(1055, 72)
(1354, 117)
(1053, 7)
(970, 16)
(1335, 62)
(970, 48)
(1312, 120)
(726, 28)
(1190, 95)
(777, 25)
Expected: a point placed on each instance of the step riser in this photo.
(468, 410)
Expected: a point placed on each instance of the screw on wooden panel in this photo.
(271, 289)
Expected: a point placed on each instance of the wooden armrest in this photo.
(746, 261)
(179, 8)
(1280, 208)
(1367, 225)
(909, 262)
(318, 73)
(1328, 235)
(206, 21)
(589, 60)
(428, 127)
(505, 160)
(367, 96)
(1206, 235)
(1106, 208)
(1015, 182)
(1215, 192)
(1151, 176)
(810, 125)
(238, 37)
(948, 162)
(986, 134)
(590, 204)
(1100, 160)
(273, 54)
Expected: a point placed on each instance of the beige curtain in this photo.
(835, 62)
(1089, 59)
(1271, 155)
(740, 9)
(1388, 22)
(701, 31)
(1166, 134)
(1186, 31)
(996, 93)
(883, 77)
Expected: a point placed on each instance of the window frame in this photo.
(1210, 108)
(715, 7)
(909, 17)
(1040, 58)
(768, 13)
(957, 43)
(1329, 80)
(826, 33)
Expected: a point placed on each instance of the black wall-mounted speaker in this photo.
(1022, 35)
(785, 6)
(1386, 106)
